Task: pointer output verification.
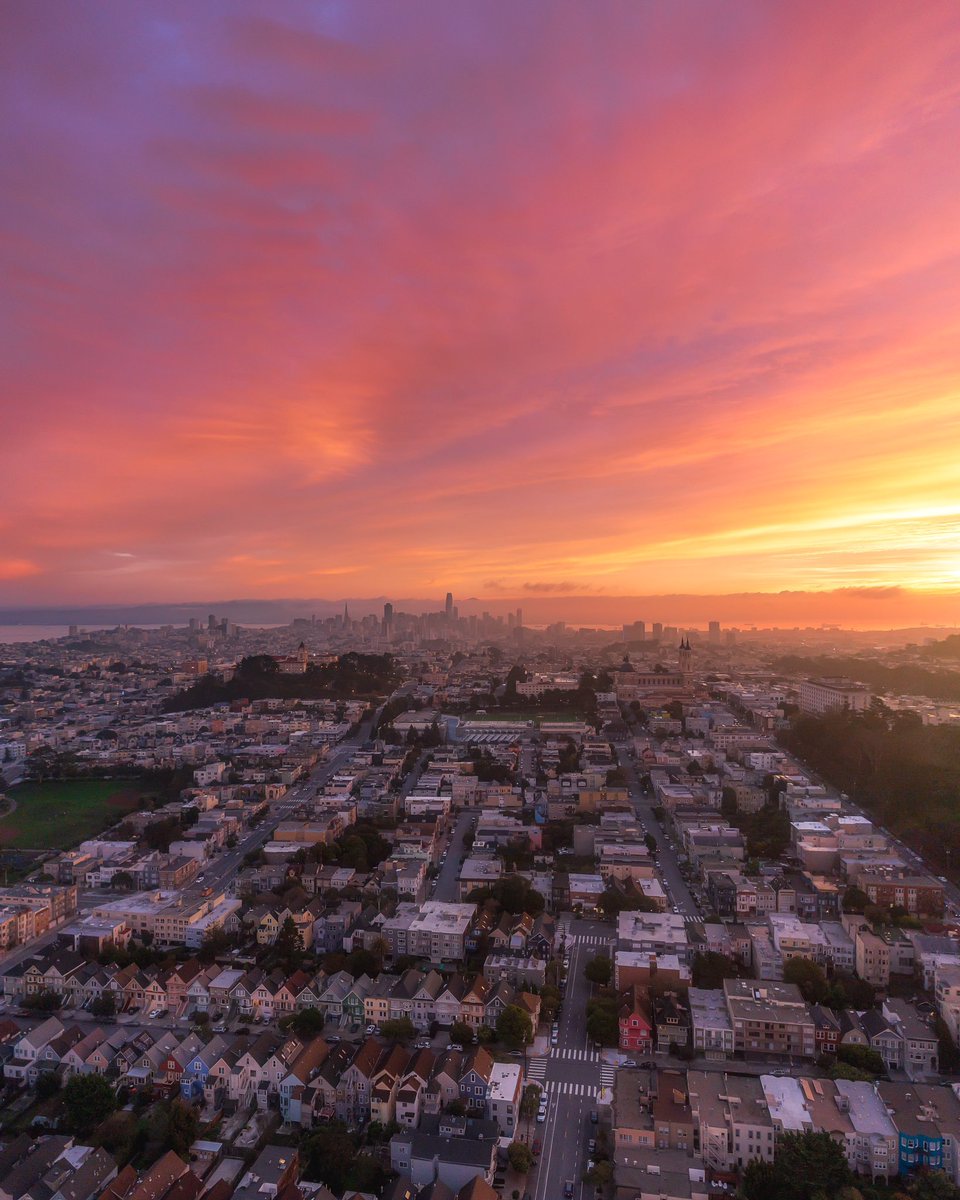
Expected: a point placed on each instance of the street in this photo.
(572, 1073)
(669, 865)
(445, 887)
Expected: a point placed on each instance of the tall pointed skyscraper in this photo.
(448, 607)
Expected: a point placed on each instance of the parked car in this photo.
(594, 1117)
(568, 1188)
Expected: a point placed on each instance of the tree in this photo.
(399, 1030)
(289, 943)
(855, 899)
(105, 1005)
(932, 1185)
(48, 1084)
(600, 1174)
(530, 1101)
(514, 1027)
(328, 1154)
(88, 1100)
(520, 1157)
(549, 1001)
(603, 1026)
(599, 970)
(948, 1056)
(863, 1058)
(123, 881)
(43, 1001)
(759, 1180)
(215, 941)
(711, 968)
(808, 977)
(808, 1165)
(307, 1023)
(461, 1033)
(843, 1070)
(650, 842)
(380, 948)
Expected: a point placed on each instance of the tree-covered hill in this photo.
(905, 773)
(903, 679)
(353, 676)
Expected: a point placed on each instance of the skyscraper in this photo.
(388, 621)
(519, 617)
(714, 631)
(448, 607)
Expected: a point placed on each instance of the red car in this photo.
(537, 1146)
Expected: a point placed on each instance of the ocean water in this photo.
(10, 634)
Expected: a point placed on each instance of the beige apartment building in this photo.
(769, 1018)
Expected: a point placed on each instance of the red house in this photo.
(636, 1023)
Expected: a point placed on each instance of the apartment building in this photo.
(711, 1027)
(833, 694)
(769, 1019)
(435, 930)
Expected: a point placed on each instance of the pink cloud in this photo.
(483, 295)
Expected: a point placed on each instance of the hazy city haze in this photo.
(519, 300)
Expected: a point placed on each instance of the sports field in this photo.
(60, 813)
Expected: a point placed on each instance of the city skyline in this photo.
(525, 305)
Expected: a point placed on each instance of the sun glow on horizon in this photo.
(630, 301)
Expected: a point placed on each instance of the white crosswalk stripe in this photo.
(555, 1088)
(588, 939)
(607, 1075)
(537, 1069)
(577, 1055)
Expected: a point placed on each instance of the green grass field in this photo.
(522, 715)
(60, 813)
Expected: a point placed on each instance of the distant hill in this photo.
(354, 676)
(903, 679)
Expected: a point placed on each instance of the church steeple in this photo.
(684, 656)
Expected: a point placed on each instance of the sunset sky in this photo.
(327, 299)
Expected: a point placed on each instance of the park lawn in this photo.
(59, 813)
(519, 716)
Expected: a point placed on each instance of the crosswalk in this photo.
(537, 1070)
(555, 1088)
(607, 1075)
(589, 939)
(576, 1055)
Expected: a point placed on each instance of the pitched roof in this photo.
(160, 1178)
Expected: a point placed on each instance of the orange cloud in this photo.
(643, 298)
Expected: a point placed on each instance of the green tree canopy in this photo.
(711, 968)
(399, 1030)
(603, 1026)
(807, 1164)
(514, 1027)
(88, 1100)
(461, 1034)
(520, 1157)
(599, 969)
(808, 977)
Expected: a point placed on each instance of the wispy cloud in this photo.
(535, 301)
